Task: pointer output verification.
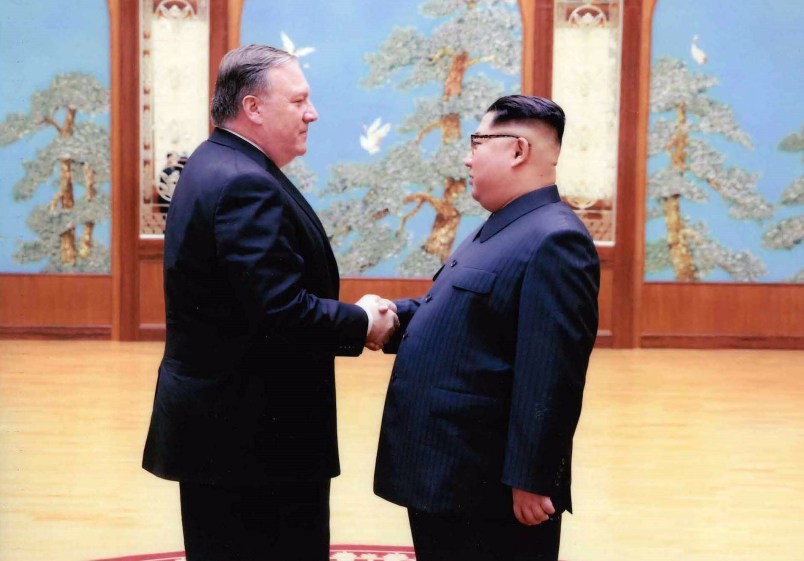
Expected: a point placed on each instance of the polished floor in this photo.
(694, 455)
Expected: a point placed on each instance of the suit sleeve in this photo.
(257, 243)
(556, 329)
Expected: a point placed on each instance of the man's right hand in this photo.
(384, 320)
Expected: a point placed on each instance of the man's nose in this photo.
(310, 114)
(467, 161)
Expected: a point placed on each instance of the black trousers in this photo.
(276, 522)
(444, 538)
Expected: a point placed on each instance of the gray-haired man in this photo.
(244, 414)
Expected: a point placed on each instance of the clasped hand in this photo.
(384, 320)
(531, 509)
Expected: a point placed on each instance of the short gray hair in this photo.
(243, 71)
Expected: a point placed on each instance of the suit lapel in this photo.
(226, 138)
(291, 189)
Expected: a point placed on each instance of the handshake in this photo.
(383, 323)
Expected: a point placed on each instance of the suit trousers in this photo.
(273, 522)
(444, 538)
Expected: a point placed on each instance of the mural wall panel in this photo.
(54, 137)
(399, 86)
(586, 83)
(726, 185)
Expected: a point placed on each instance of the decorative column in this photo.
(174, 99)
(586, 83)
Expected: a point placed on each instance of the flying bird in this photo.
(370, 142)
(697, 52)
(288, 45)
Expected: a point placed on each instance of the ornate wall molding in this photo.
(586, 83)
(174, 104)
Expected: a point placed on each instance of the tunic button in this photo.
(404, 335)
(427, 298)
(453, 263)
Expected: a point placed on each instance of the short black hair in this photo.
(511, 108)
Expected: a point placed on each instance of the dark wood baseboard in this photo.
(660, 340)
(151, 332)
(96, 332)
(604, 340)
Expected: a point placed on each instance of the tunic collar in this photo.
(517, 208)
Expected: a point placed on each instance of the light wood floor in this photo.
(694, 455)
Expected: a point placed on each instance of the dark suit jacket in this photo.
(486, 389)
(246, 390)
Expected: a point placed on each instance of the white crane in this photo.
(697, 52)
(370, 142)
(288, 46)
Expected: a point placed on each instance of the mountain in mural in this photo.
(373, 201)
(80, 152)
(686, 124)
(789, 232)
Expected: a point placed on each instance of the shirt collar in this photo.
(230, 131)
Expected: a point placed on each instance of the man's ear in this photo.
(521, 152)
(251, 109)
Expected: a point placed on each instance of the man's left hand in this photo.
(531, 509)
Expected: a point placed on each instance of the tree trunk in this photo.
(66, 185)
(66, 192)
(85, 249)
(678, 244)
(68, 247)
(445, 227)
(69, 123)
(680, 254)
(447, 219)
(457, 69)
(67, 203)
(678, 142)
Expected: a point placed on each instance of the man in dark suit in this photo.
(485, 395)
(244, 414)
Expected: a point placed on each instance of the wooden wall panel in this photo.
(124, 18)
(707, 315)
(152, 299)
(631, 170)
(605, 303)
(33, 305)
(537, 23)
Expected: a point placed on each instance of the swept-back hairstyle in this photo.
(243, 71)
(512, 108)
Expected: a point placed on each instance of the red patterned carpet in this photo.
(337, 553)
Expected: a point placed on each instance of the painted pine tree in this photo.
(375, 200)
(687, 120)
(789, 232)
(77, 155)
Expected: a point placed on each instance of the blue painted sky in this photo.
(38, 40)
(754, 49)
(342, 37)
